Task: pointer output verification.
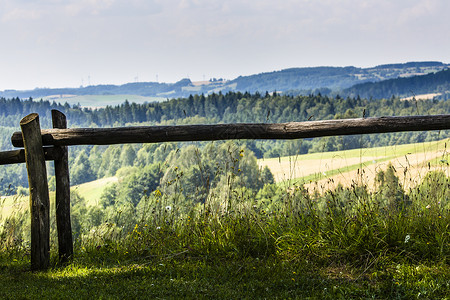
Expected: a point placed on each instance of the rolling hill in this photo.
(433, 83)
(326, 80)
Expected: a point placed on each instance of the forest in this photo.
(215, 108)
(438, 82)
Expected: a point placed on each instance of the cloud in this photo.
(23, 10)
(234, 36)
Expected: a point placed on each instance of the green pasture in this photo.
(96, 101)
(91, 191)
(367, 156)
(384, 151)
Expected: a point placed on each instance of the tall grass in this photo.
(386, 234)
(346, 225)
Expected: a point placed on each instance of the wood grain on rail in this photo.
(291, 130)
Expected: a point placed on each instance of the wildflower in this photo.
(168, 208)
(407, 238)
(158, 228)
(428, 206)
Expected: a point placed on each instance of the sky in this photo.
(70, 43)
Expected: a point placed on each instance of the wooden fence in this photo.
(51, 144)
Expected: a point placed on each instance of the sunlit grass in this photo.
(91, 191)
(382, 151)
(249, 278)
(338, 166)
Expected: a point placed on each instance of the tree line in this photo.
(232, 107)
(438, 82)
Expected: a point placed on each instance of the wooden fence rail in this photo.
(18, 156)
(292, 130)
(51, 144)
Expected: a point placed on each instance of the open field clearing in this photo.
(12, 204)
(423, 96)
(99, 101)
(360, 165)
(90, 191)
(411, 170)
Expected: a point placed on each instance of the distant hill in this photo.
(333, 78)
(146, 89)
(434, 83)
(292, 81)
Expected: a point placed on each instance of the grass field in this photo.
(91, 191)
(199, 278)
(97, 101)
(410, 161)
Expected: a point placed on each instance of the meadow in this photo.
(412, 162)
(292, 239)
(98, 101)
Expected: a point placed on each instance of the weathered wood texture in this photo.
(63, 222)
(292, 130)
(18, 156)
(39, 197)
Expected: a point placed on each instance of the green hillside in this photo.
(91, 191)
(325, 79)
(438, 82)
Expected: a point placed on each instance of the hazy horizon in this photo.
(55, 43)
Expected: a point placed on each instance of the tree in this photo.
(81, 170)
(127, 156)
(390, 192)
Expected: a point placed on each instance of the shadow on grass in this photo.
(197, 278)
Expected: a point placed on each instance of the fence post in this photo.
(63, 223)
(39, 196)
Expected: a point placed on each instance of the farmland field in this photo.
(98, 101)
(345, 167)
